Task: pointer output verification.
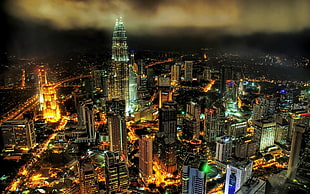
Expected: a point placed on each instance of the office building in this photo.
(117, 175)
(253, 186)
(245, 148)
(146, 155)
(237, 174)
(119, 71)
(168, 121)
(117, 133)
(193, 111)
(18, 135)
(194, 175)
(175, 73)
(223, 149)
(88, 177)
(86, 119)
(298, 132)
(237, 129)
(188, 73)
(133, 87)
(264, 133)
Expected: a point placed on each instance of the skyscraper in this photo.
(194, 176)
(117, 133)
(117, 175)
(88, 177)
(18, 135)
(87, 119)
(188, 74)
(168, 121)
(264, 133)
(237, 174)
(119, 71)
(146, 155)
(223, 149)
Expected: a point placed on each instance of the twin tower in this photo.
(123, 79)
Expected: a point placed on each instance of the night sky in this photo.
(46, 26)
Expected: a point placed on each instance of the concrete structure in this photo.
(223, 149)
(295, 150)
(264, 133)
(237, 174)
(194, 178)
(18, 135)
(117, 175)
(146, 155)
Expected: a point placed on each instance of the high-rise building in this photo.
(117, 175)
(237, 173)
(264, 133)
(206, 74)
(87, 119)
(88, 177)
(146, 155)
(119, 72)
(188, 74)
(245, 148)
(117, 133)
(100, 80)
(223, 149)
(194, 176)
(193, 111)
(175, 73)
(18, 135)
(133, 87)
(168, 121)
(51, 111)
(298, 132)
(237, 129)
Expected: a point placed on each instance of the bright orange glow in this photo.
(209, 86)
(51, 110)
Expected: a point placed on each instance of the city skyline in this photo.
(203, 97)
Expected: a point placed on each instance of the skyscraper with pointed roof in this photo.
(119, 72)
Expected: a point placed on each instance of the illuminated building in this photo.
(117, 133)
(50, 110)
(100, 78)
(119, 72)
(264, 133)
(253, 186)
(133, 95)
(175, 73)
(42, 81)
(223, 149)
(188, 73)
(146, 155)
(168, 121)
(193, 118)
(298, 132)
(238, 129)
(23, 79)
(89, 179)
(117, 175)
(213, 123)
(237, 174)
(263, 108)
(18, 135)
(87, 120)
(206, 74)
(245, 148)
(194, 175)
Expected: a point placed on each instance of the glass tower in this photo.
(119, 72)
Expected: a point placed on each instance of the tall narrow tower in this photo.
(119, 72)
